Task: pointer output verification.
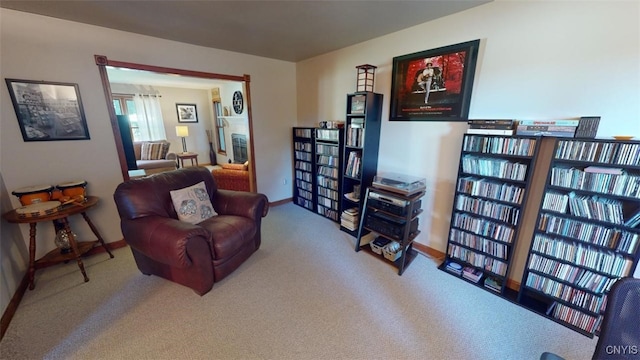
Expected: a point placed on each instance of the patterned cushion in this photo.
(154, 150)
(165, 150)
(192, 203)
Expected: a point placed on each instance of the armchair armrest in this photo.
(171, 156)
(166, 240)
(241, 203)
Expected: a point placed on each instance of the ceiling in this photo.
(292, 30)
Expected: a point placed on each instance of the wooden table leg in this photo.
(32, 254)
(96, 233)
(74, 247)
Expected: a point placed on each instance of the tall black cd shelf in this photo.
(303, 151)
(318, 163)
(587, 232)
(362, 138)
(492, 187)
(328, 159)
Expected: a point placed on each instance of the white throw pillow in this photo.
(192, 203)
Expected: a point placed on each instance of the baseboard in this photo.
(513, 285)
(10, 311)
(280, 202)
(13, 305)
(439, 257)
(429, 251)
(112, 246)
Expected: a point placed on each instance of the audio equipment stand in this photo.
(394, 217)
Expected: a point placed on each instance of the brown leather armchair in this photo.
(192, 255)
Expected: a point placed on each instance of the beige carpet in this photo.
(304, 295)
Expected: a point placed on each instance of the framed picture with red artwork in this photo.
(434, 85)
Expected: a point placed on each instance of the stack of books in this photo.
(555, 128)
(603, 170)
(454, 267)
(350, 219)
(355, 132)
(493, 283)
(588, 127)
(472, 274)
(354, 165)
(491, 127)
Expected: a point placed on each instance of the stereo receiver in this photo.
(392, 204)
(388, 225)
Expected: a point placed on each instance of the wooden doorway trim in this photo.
(102, 62)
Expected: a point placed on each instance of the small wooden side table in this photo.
(187, 156)
(78, 248)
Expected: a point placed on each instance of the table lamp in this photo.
(183, 131)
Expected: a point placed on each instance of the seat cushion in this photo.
(155, 164)
(230, 234)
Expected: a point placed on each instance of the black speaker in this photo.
(127, 141)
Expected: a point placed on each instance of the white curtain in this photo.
(149, 117)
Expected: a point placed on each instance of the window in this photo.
(222, 147)
(124, 105)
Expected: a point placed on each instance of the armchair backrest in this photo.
(149, 196)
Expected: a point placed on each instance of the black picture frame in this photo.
(48, 111)
(187, 113)
(449, 80)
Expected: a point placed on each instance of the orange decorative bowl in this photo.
(623, 137)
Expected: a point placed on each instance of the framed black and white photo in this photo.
(434, 85)
(187, 113)
(48, 110)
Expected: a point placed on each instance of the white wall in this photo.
(538, 60)
(197, 140)
(40, 48)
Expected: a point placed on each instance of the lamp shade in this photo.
(182, 130)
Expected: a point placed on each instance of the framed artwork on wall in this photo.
(187, 113)
(434, 85)
(238, 102)
(48, 111)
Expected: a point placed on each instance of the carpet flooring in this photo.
(306, 294)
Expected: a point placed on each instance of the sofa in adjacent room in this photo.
(154, 156)
(232, 176)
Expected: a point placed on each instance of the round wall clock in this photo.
(238, 103)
